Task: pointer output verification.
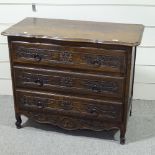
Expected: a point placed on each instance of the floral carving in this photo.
(46, 54)
(99, 60)
(33, 53)
(70, 123)
(65, 81)
(105, 110)
(102, 86)
(66, 105)
(38, 79)
(65, 57)
(29, 101)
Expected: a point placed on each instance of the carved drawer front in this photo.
(84, 58)
(76, 83)
(69, 105)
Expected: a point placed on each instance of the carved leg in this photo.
(19, 121)
(131, 110)
(122, 136)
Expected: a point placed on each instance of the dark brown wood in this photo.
(86, 58)
(69, 82)
(73, 74)
(70, 105)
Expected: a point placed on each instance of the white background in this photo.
(129, 11)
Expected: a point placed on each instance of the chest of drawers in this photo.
(73, 74)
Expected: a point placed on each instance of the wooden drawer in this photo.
(69, 105)
(69, 82)
(83, 58)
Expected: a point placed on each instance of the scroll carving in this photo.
(70, 123)
(41, 80)
(34, 78)
(105, 110)
(46, 54)
(102, 86)
(103, 60)
(33, 53)
(29, 101)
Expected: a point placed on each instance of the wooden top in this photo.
(79, 31)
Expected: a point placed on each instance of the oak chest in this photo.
(73, 74)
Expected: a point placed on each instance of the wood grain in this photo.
(79, 31)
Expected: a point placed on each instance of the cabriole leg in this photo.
(131, 110)
(122, 136)
(19, 121)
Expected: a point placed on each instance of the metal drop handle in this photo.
(40, 82)
(37, 57)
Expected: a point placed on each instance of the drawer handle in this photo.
(37, 57)
(40, 104)
(93, 111)
(96, 88)
(40, 82)
(96, 63)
